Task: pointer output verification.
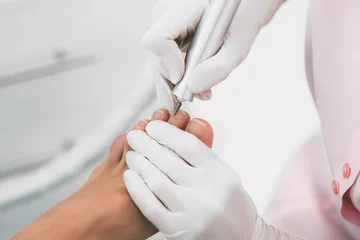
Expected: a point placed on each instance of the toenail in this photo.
(196, 125)
(158, 114)
(143, 123)
(180, 114)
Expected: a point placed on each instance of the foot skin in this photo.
(102, 208)
(137, 226)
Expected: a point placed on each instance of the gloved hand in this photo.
(186, 191)
(173, 25)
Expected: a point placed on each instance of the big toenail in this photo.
(196, 126)
(158, 114)
(180, 114)
(143, 123)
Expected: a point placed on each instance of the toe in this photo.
(141, 125)
(202, 130)
(180, 120)
(160, 114)
(116, 151)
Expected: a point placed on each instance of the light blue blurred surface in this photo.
(38, 117)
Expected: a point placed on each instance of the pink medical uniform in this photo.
(314, 200)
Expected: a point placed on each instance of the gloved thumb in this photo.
(235, 49)
(163, 88)
(217, 68)
(171, 32)
(209, 73)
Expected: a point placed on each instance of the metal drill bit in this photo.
(177, 108)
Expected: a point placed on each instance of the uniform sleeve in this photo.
(336, 91)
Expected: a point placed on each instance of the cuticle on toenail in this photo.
(180, 114)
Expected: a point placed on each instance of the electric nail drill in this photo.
(208, 39)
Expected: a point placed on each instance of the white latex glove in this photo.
(186, 191)
(173, 25)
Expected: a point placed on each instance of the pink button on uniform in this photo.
(335, 187)
(346, 170)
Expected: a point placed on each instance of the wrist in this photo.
(264, 231)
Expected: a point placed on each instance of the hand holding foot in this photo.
(102, 208)
(184, 189)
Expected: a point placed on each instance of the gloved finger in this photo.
(233, 52)
(211, 72)
(169, 54)
(164, 94)
(163, 89)
(205, 96)
(186, 145)
(162, 36)
(149, 205)
(158, 66)
(162, 187)
(163, 158)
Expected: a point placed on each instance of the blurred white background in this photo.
(56, 128)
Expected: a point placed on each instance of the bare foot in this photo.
(138, 227)
(102, 208)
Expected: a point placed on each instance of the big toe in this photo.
(180, 120)
(120, 146)
(202, 130)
